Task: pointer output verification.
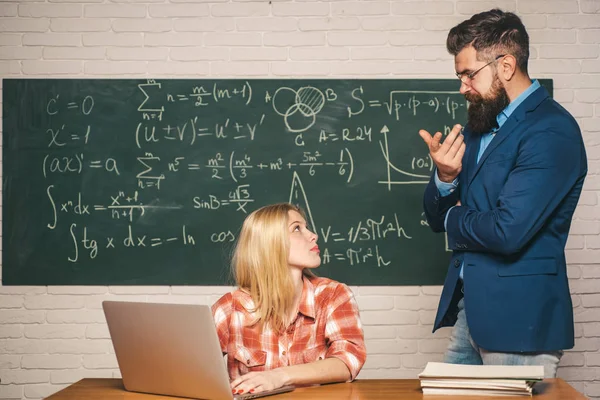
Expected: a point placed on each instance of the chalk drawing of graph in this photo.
(390, 166)
(423, 179)
(298, 197)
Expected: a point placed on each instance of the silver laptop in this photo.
(170, 349)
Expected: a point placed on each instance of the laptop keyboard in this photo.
(248, 396)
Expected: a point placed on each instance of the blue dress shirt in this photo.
(445, 188)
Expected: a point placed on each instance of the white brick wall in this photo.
(53, 336)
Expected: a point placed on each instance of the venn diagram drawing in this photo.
(299, 108)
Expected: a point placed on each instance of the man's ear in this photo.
(507, 67)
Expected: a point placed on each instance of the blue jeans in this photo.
(463, 350)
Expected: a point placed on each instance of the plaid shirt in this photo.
(327, 325)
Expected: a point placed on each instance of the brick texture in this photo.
(53, 336)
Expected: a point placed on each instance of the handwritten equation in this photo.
(131, 170)
(298, 109)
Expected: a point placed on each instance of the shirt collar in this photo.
(506, 113)
(307, 299)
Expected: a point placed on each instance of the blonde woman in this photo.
(283, 325)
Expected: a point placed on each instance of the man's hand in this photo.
(447, 156)
(254, 382)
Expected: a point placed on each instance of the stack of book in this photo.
(480, 380)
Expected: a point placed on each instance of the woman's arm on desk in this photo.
(329, 370)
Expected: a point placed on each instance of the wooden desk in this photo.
(366, 389)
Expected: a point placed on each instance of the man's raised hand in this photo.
(448, 155)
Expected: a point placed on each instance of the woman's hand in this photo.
(254, 382)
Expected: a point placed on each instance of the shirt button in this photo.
(283, 353)
(248, 361)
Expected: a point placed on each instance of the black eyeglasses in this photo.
(467, 77)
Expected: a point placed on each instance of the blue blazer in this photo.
(511, 229)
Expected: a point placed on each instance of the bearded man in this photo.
(505, 190)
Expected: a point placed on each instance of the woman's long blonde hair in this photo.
(260, 263)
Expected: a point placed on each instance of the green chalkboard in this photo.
(144, 182)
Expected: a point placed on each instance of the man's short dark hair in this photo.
(492, 33)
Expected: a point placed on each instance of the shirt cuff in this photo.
(445, 188)
(446, 218)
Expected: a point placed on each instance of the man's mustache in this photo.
(473, 98)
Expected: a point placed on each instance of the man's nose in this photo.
(464, 88)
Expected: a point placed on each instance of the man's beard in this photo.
(483, 111)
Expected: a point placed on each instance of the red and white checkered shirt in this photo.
(327, 325)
